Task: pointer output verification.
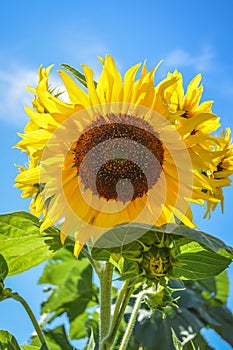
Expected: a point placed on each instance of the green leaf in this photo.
(31, 347)
(118, 235)
(22, 244)
(221, 320)
(218, 286)
(84, 325)
(185, 324)
(197, 343)
(71, 291)
(194, 313)
(8, 341)
(198, 263)
(79, 76)
(55, 338)
(204, 239)
(44, 347)
(77, 327)
(190, 254)
(71, 285)
(222, 287)
(3, 268)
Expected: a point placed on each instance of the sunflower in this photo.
(117, 152)
(223, 170)
(31, 187)
(197, 123)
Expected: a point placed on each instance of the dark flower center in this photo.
(119, 157)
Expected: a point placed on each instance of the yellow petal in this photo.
(76, 94)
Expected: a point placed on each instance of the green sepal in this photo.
(161, 298)
(79, 76)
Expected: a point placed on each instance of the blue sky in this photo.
(191, 36)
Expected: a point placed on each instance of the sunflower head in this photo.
(221, 172)
(115, 168)
(119, 150)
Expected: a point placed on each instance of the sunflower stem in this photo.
(95, 264)
(32, 317)
(132, 320)
(121, 304)
(105, 302)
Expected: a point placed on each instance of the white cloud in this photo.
(203, 61)
(13, 95)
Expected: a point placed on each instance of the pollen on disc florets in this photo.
(119, 148)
